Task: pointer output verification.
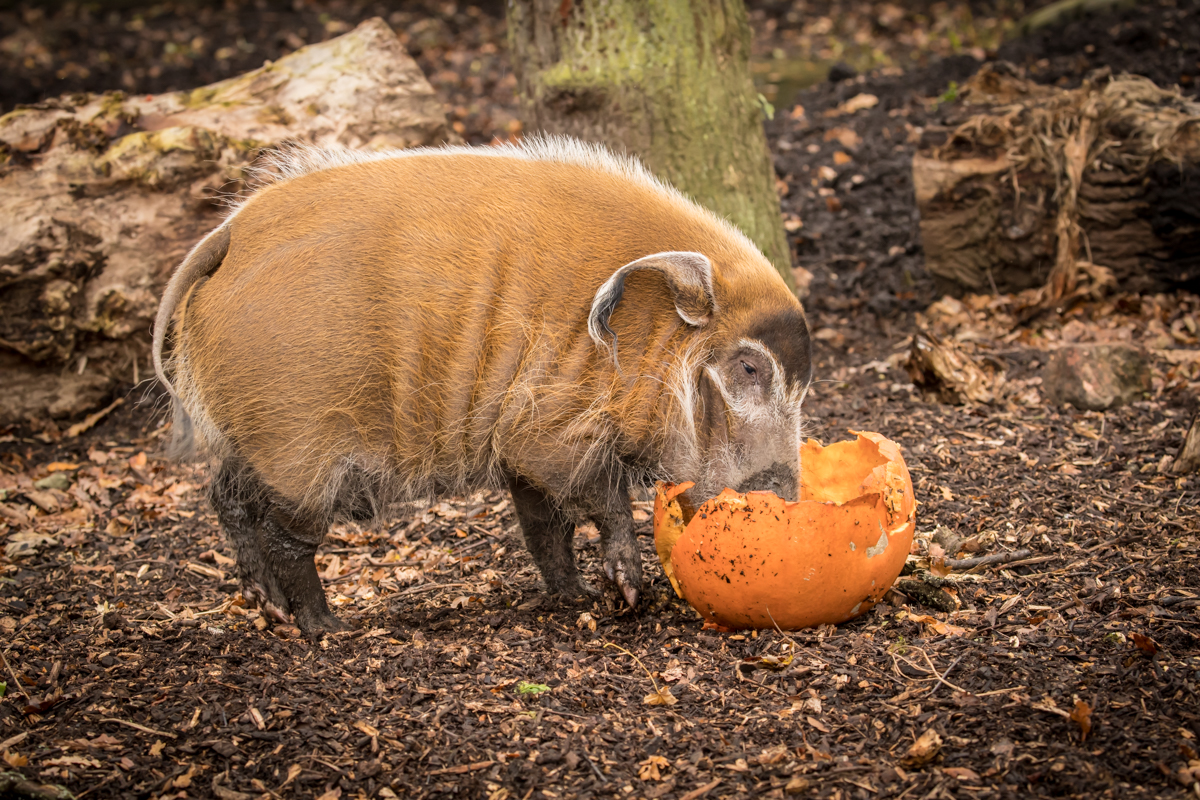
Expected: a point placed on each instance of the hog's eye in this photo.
(751, 371)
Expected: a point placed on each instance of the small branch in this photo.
(16, 681)
(963, 564)
(141, 728)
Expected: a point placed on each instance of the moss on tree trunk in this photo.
(668, 81)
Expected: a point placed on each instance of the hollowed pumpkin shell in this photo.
(755, 560)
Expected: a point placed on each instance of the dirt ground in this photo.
(1070, 670)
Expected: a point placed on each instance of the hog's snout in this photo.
(779, 478)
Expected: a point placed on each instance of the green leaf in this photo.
(767, 109)
(524, 687)
(3, 688)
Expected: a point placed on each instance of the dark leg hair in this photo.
(549, 536)
(274, 547)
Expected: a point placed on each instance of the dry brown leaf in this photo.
(293, 772)
(846, 137)
(1082, 716)
(841, 159)
(651, 768)
(923, 750)
(660, 697)
(1145, 644)
(859, 102)
(15, 760)
(942, 369)
(962, 773)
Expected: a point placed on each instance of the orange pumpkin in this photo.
(755, 560)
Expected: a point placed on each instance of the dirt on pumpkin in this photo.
(1066, 667)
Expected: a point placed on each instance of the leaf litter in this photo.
(1063, 662)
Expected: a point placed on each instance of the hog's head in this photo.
(738, 381)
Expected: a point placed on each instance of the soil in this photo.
(134, 670)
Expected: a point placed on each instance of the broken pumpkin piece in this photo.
(755, 560)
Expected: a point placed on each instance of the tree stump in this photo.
(668, 81)
(1034, 186)
(103, 195)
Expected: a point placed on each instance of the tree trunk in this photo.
(1034, 186)
(668, 81)
(101, 197)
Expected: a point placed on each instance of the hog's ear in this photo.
(689, 277)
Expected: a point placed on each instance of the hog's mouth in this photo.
(778, 478)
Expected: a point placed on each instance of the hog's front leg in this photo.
(622, 559)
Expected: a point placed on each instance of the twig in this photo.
(429, 587)
(141, 728)
(592, 764)
(949, 669)
(937, 675)
(961, 564)
(639, 663)
(90, 422)
(695, 794)
(994, 692)
(16, 682)
(1028, 562)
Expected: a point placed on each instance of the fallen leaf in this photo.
(660, 697)
(15, 760)
(773, 663)
(524, 687)
(846, 137)
(71, 761)
(942, 628)
(1082, 716)
(816, 723)
(923, 750)
(586, 620)
(841, 159)
(797, 785)
(156, 749)
(185, 780)
(651, 768)
(859, 102)
(293, 772)
(773, 755)
(962, 773)
(25, 543)
(206, 571)
(1145, 644)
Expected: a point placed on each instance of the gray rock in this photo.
(1096, 377)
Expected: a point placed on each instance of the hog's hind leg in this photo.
(550, 538)
(290, 541)
(274, 547)
(239, 499)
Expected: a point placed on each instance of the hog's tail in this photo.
(201, 261)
